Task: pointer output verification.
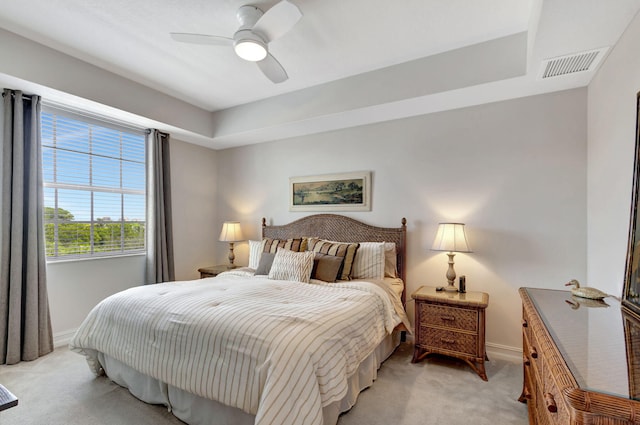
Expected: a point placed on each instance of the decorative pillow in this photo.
(289, 265)
(326, 267)
(369, 261)
(272, 245)
(390, 260)
(338, 249)
(255, 251)
(266, 261)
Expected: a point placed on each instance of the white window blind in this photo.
(94, 186)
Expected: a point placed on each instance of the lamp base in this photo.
(451, 274)
(231, 257)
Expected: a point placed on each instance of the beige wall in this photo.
(513, 171)
(194, 189)
(612, 123)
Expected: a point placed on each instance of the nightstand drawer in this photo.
(443, 339)
(449, 317)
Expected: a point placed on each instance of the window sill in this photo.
(104, 257)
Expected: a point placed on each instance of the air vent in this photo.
(570, 64)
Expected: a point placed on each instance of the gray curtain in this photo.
(159, 232)
(25, 324)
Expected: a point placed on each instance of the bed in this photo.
(242, 348)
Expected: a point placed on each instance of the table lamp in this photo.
(231, 233)
(451, 238)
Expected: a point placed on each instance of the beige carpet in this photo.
(58, 389)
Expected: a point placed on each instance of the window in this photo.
(94, 186)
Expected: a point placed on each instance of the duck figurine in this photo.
(590, 293)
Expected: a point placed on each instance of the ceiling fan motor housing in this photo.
(248, 16)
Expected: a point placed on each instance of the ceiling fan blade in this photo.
(215, 40)
(278, 20)
(272, 69)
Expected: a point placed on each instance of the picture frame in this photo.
(631, 290)
(331, 192)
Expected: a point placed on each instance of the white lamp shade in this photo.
(451, 237)
(231, 232)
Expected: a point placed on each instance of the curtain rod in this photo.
(12, 93)
(83, 113)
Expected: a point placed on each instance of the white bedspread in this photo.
(279, 350)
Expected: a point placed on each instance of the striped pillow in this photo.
(369, 261)
(272, 245)
(289, 265)
(255, 251)
(338, 249)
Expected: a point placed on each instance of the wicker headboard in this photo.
(343, 229)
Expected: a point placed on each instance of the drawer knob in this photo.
(533, 352)
(550, 402)
(525, 324)
(448, 318)
(448, 341)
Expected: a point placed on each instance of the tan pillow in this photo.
(338, 249)
(390, 260)
(326, 267)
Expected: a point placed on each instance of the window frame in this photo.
(103, 122)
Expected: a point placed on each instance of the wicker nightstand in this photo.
(452, 324)
(212, 271)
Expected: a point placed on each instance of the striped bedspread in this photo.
(276, 349)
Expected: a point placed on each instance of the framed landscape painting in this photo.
(331, 192)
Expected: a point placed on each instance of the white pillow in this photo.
(290, 265)
(255, 252)
(369, 261)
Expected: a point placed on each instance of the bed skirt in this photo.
(195, 410)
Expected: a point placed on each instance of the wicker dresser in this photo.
(451, 323)
(580, 360)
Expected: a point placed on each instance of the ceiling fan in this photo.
(251, 40)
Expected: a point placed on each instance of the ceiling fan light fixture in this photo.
(250, 50)
(249, 46)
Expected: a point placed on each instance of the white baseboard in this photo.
(495, 351)
(504, 352)
(62, 339)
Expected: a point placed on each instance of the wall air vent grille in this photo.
(570, 64)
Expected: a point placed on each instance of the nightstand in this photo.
(451, 323)
(212, 271)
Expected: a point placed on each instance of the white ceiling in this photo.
(333, 48)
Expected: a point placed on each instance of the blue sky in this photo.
(89, 154)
